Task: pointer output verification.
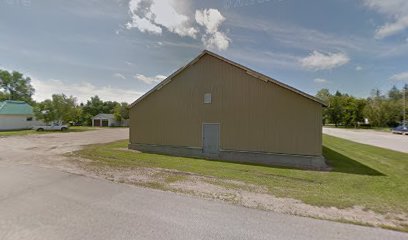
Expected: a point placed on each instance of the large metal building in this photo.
(215, 108)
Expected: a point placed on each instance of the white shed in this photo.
(15, 115)
(105, 120)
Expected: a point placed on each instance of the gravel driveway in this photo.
(371, 137)
(46, 149)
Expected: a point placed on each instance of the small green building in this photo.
(15, 115)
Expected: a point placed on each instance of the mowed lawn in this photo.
(29, 132)
(362, 175)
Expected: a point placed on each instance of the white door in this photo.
(211, 138)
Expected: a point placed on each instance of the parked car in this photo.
(51, 127)
(403, 129)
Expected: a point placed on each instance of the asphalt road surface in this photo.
(376, 138)
(48, 203)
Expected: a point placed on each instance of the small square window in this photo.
(207, 98)
(29, 119)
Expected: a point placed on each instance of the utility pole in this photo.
(404, 124)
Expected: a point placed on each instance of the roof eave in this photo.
(248, 71)
(167, 80)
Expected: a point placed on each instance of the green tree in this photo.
(4, 96)
(382, 110)
(342, 109)
(109, 107)
(77, 115)
(95, 106)
(44, 111)
(385, 111)
(353, 111)
(395, 94)
(121, 111)
(60, 109)
(375, 109)
(325, 96)
(335, 109)
(15, 86)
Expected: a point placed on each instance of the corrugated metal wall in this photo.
(254, 115)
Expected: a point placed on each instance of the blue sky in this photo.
(120, 49)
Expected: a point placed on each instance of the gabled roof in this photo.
(249, 71)
(104, 116)
(15, 108)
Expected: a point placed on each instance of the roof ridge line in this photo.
(249, 71)
(260, 76)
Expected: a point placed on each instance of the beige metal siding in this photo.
(254, 115)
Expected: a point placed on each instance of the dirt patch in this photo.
(47, 150)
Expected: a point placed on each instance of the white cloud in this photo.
(392, 28)
(320, 80)
(359, 68)
(143, 25)
(397, 10)
(150, 80)
(82, 91)
(167, 16)
(154, 15)
(217, 40)
(211, 20)
(400, 77)
(119, 75)
(324, 61)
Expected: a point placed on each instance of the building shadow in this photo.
(336, 162)
(344, 164)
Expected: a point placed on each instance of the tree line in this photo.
(59, 108)
(380, 109)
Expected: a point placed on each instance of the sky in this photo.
(120, 49)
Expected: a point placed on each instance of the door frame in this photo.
(104, 121)
(202, 135)
(97, 120)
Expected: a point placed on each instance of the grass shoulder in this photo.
(362, 175)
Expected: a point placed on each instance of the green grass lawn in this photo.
(29, 132)
(363, 175)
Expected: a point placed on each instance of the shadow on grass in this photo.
(205, 159)
(344, 164)
(337, 161)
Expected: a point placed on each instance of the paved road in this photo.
(39, 203)
(47, 203)
(370, 137)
